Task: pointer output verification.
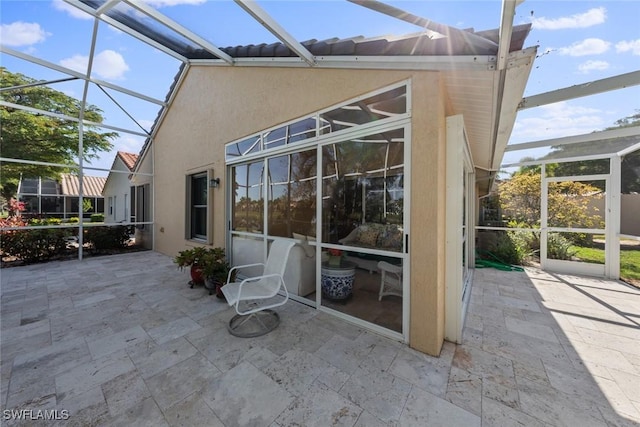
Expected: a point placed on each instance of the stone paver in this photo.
(122, 340)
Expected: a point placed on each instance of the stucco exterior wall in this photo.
(144, 234)
(118, 188)
(216, 105)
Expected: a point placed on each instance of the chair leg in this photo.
(254, 324)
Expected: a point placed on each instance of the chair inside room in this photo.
(254, 297)
(390, 280)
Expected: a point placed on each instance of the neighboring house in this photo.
(59, 199)
(118, 192)
(142, 182)
(393, 137)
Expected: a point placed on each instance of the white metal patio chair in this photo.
(254, 297)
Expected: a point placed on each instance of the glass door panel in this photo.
(291, 213)
(247, 215)
(247, 199)
(362, 228)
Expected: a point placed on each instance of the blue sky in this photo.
(579, 41)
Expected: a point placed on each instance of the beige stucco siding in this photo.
(427, 215)
(216, 105)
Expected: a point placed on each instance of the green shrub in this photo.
(106, 238)
(512, 246)
(97, 217)
(34, 245)
(504, 250)
(73, 220)
(559, 247)
(45, 221)
(579, 239)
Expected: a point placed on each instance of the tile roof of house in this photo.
(129, 159)
(415, 44)
(93, 185)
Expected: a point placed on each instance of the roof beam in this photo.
(71, 119)
(109, 4)
(433, 63)
(38, 83)
(428, 24)
(588, 137)
(506, 31)
(184, 32)
(628, 150)
(252, 8)
(620, 81)
(77, 74)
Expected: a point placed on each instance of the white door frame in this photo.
(460, 229)
(576, 267)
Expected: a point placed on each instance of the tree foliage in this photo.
(568, 202)
(26, 135)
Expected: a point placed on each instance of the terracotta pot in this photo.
(196, 275)
(219, 293)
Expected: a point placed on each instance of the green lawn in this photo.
(629, 260)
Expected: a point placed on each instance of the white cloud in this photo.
(22, 33)
(128, 143)
(579, 20)
(146, 124)
(559, 120)
(632, 46)
(586, 47)
(71, 10)
(163, 3)
(107, 64)
(591, 65)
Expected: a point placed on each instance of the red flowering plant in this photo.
(334, 252)
(16, 207)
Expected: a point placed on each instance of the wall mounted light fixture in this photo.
(214, 182)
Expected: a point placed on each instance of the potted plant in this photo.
(215, 269)
(335, 257)
(193, 258)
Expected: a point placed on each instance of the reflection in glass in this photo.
(275, 138)
(377, 107)
(248, 202)
(292, 194)
(302, 130)
(242, 148)
(363, 183)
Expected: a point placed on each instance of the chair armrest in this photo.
(256, 278)
(238, 267)
(383, 265)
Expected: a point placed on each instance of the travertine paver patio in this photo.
(122, 340)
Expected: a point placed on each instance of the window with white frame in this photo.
(197, 196)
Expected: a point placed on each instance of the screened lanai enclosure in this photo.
(570, 204)
(380, 156)
(585, 215)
